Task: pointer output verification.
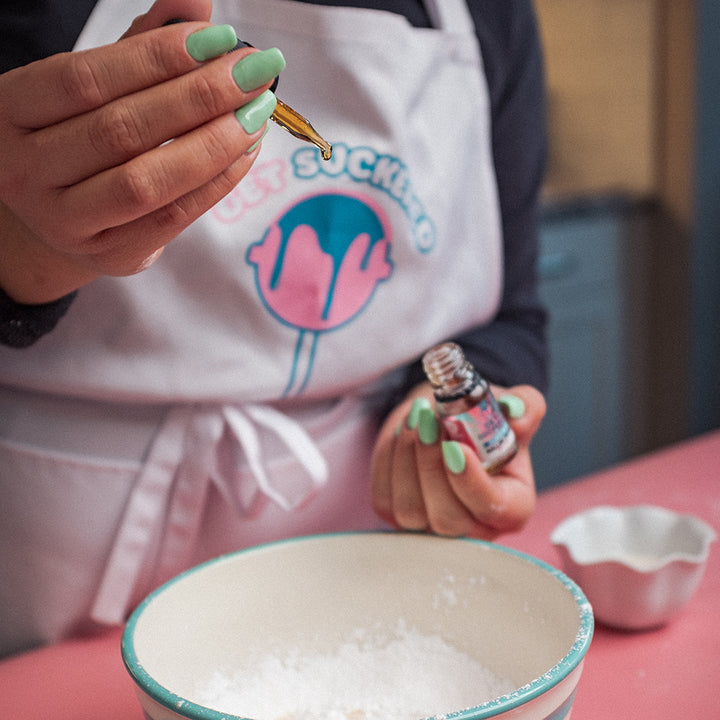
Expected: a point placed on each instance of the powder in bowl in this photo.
(368, 677)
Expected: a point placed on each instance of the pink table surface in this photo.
(673, 672)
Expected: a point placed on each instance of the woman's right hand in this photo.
(109, 153)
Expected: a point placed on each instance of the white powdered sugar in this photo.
(404, 676)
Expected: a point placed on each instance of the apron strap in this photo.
(295, 439)
(203, 433)
(143, 514)
(450, 15)
(168, 499)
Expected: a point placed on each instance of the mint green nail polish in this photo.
(427, 426)
(254, 115)
(211, 42)
(258, 68)
(513, 405)
(453, 456)
(257, 142)
(418, 404)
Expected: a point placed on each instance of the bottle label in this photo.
(485, 429)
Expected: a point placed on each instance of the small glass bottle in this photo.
(467, 408)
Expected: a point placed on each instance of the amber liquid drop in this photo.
(298, 126)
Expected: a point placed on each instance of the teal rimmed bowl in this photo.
(510, 614)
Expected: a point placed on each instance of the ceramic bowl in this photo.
(349, 621)
(638, 565)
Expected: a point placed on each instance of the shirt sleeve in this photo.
(21, 325)
(32, 29)
(511, 349)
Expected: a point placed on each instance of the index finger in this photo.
(69, 84)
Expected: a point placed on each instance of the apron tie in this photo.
(243, 426)
(168, 498)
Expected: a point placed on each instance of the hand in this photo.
(108, 154)
(421, 481)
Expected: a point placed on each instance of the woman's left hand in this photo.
(423, 481)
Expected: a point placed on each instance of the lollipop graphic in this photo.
(317, 267)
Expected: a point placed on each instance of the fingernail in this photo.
(417, 406)
(453, 456)
(512, 405)
(254, 115)
(258, 68)
(427, 426)
(211, 42)
(257, 142)
(148, 261)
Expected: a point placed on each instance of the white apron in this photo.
(218, 399)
